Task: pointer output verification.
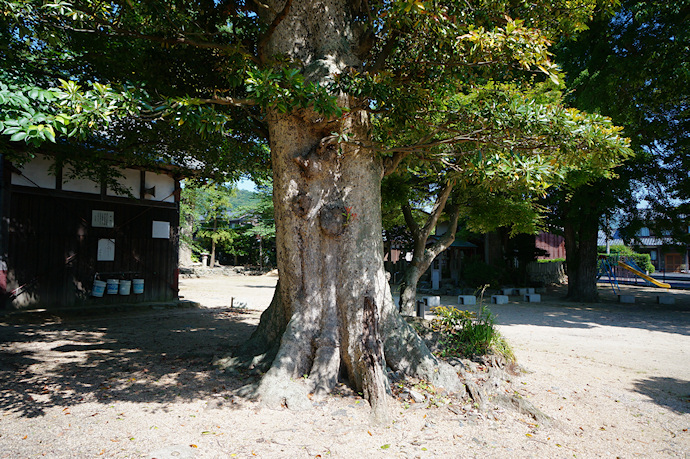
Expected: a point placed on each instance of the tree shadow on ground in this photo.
(670, 393)
(158, 357)
(556, 312)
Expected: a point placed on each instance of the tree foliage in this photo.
(432, 76)
(633, 67)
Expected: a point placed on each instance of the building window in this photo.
(652, 255)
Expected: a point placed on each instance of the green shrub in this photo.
(643, 260)
(552, 260)
(466, 333)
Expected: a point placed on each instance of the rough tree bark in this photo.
(581, 232)
(423, 256)
(332, 313)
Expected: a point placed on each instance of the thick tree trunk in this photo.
(332, 313)
(581, 252)
(408, 290)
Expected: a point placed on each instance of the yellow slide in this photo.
(643, 275)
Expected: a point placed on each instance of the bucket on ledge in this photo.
(125, 287)
(112, 286)
(98, 288)
(137, 286)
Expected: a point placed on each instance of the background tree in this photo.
(344, 91)
(206, 209)
(633, 67)
(215, 227)
(492, 197)
(263, 227)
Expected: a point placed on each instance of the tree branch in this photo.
(448, 238)
(409, 219)
(115, 31)
(272, 28)
(229, 101)
(439, 205)
(388, 48)
(391, 163)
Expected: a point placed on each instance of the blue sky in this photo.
(246, 184)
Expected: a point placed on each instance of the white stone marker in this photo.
(626, 299)
(467, 299)
(499, 299)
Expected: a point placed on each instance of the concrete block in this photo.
(525, 291)
(626, 299)
(467, 299)
(499, 299)
(509, 291)
(532, 298)
(665, 299)
(432, 301)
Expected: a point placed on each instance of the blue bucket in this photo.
(113, 286)
(125, 287)
(137, 286)
(98, 288)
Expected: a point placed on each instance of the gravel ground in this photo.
(614, 378)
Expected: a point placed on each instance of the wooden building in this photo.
(63, 237)
(552, 244)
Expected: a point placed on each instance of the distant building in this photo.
(552, 244)
(62, 236)
(666, 254)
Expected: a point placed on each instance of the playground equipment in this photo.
(609, 263)
(606, 269)
(643, 275)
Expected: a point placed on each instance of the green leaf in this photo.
(50, 133)
(18, 136)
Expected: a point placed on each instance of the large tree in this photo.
(343, 90)
(632, 66)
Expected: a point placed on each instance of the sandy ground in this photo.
(614, 378)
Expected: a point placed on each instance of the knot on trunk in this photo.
(301, 205)
(333, 219)
(313, 163)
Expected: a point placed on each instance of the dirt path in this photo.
(615, 379)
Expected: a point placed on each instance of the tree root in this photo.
(406, 352)
(524, 406)
(486, 379)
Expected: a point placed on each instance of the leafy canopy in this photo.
(633, 66)
(450, 83)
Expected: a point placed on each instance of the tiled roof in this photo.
(646, 241)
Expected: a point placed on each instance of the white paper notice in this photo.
(161, 230)
(102, 219)
(106, 250)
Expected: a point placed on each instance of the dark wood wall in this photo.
(553, 244)
(52, 248)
